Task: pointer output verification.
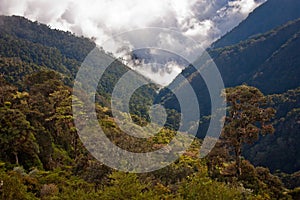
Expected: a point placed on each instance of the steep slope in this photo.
(34, 46)
(27, 47)
(37, 68)
(270, 62)
(281, 150)
(259, 61)
(280, 71)
(271, 14)
(67, 43)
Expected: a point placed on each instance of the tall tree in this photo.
(16, 134)
(248, 117)
(61, 119)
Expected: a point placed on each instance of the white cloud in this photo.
(244, 6)
(202, 20)
(103, 18)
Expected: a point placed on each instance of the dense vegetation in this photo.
(42, 156)
(280, 151)
(270, 62)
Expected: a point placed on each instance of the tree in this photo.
(127, 186)
(200, 186)
(13, 187)
(16, 135)
(248, 117)
(7, 91)
(61, 119)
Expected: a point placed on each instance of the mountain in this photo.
(269, 61)
(27, 47)
(42, 156)
(269, 15)
(37, 70)
(68, 44)
(261, 61)
(33, 46)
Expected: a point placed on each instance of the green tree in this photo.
(61, 119)
(6, 90)
(200, 186)
(248, 117)
(16, 135)
(127, 186)
(13, 188)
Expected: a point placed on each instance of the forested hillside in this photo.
(281, 150)
(42, 156)
(270, 62)
(272, 13)
(34, 32)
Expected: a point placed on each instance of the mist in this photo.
(202, 20)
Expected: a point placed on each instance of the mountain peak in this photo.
(269, 15)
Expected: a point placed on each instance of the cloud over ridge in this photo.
(202, 20)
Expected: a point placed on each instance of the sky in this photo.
(202, 20)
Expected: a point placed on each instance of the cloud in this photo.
(202, 20)
(103, 18)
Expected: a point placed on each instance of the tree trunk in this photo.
(75, 144)
(16, 157)
(238, 161)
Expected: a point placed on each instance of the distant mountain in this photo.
(265, 61)
(27, 47)
(269, 61)
(271, 14)
(68, 44)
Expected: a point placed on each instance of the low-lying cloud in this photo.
(202, 20)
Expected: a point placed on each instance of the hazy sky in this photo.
(202, 20)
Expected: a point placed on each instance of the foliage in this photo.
(200, 186)
(73, 47)
(42, 156)
(16, 136)
(281, 150)
(247, 119)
